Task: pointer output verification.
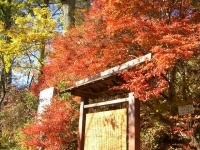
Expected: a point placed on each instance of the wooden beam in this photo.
(94, 84)
(93, 95)
(134, 123)
(82, 118)
(107, 103)
(78, 92)
(119, 80)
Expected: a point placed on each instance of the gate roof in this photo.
(98, 85)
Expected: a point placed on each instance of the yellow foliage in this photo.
(38, 28)
(29, 32)
(1, 26)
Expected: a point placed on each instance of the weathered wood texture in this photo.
(117, 101)
(134, 123)
(99, 88)
(82, 119)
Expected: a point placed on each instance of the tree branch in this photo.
(164, 96)
(159, 115)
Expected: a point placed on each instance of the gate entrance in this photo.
(108, 130)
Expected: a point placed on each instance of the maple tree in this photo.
(117, 31)
(117, 37)
(54, 128)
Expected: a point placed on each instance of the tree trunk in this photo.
(42, 50)
(68, 14)
(5, 77)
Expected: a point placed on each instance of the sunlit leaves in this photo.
(54, 129)
(39, 27)
(114, 33)
(117, 31)
(29, 32)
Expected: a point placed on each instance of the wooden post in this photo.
(134, 123)
(82, 118)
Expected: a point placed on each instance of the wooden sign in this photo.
(187, 109)
(106, 130)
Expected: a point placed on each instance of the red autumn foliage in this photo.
(53, 129)
(116, 31)
(35, 90)
(93, 47)
(176, 42)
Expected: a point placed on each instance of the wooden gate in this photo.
(98, 86)
(133, 124)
